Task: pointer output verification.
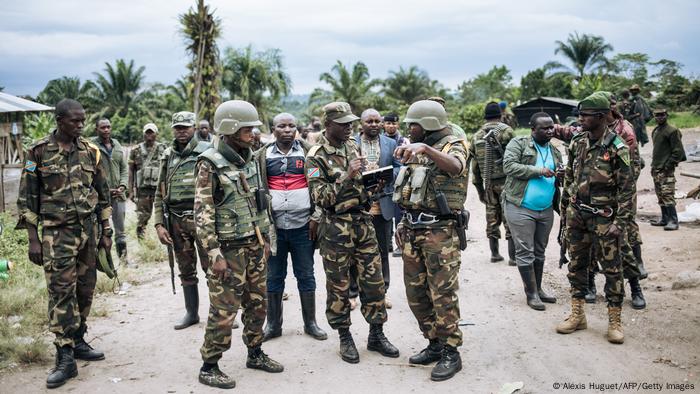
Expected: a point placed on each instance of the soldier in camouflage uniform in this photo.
(144, 160)
(489, 178)
(64, 188)
(598, 186)
(667, 154)
(175, 191)
(347, 237)
(431, 189)
(233, 222)
(638, 114)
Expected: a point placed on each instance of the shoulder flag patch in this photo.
(313, 172)
(30, 166)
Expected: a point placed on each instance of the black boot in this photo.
(308, 312)
(450, 363)
(544, 297)
(428, 355)
(530, 283)
(65, 369)
(257, 359)
(273, 328)
(511, 252)
(82, 350)
(664, 218)
(672, 218)
(191, 306)
(121, 250)
(637, 251)
(348, 351)
(140, 233)
(591, 294)
(377, 342)
(638, 301)
(493, 244)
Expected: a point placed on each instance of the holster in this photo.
(462, 225)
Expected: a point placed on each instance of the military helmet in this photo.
(232, 115)
(430, 115)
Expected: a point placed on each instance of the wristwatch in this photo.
(107, 232)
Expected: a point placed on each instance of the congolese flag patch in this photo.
(313, 172)
(30, 166)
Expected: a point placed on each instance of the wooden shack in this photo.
(556, 107)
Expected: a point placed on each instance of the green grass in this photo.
(682, 120)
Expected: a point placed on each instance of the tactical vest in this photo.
(181, 174)
(147, 175)
(495, 170)
(237, 214)
(417, 183)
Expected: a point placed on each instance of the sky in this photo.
(452, 40)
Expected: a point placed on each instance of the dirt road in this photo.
(508, 342)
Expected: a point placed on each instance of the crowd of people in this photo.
(240, 207)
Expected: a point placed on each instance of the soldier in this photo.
(60, 168)
(599, 190)
(489, 178)
(175, 198)
(638, 114)
(508, 116)
(203, 133)
(143, 175)
(347, 237)
(233, 221)
(431, 189)
(668, 152)
(117, 178)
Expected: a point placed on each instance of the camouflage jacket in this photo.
(668, 147)
(60, 188)
(138, 156)
(115, 162)
(600, 174)
(477, 152)
(331, 188)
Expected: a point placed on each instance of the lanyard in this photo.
(544, 157)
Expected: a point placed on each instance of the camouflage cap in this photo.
(183, 118)
(597, 102)
(437, 99)
(659, 111)
(339, 112)
(150, 126)
(634, 87)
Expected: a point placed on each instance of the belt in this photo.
(423, 218)
(356, 210)
(605, 212)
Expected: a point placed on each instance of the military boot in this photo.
(511, 252)
(615, 334)
(591, 293)
(377, 342)
(450, 363)
(211, 375)
(65, 368)
(527, 273)
(428, 355)
(638, 301)
(82, 350)
(273, 328)
(495, 256)
(672, 224)
(664, 218)
(191, 307)
(257, 359)
(637, 251)
(348, 351)
(576, 320)
(308, 312)
(140, 233)
(544, 296)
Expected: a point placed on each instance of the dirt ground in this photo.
(505, 342)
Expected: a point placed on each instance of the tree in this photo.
(354, 87)
(537, 83)
(201, 29)
(256, 77)
(495, 84)
(119, 87)
(585, 52)
(68, 87)
(409, 85)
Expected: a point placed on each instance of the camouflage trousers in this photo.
(245, 287)
(665, 186)
(431, 261)
(344, 243)
(589, 244)
(494, 210)
(69, 257)
(184, 235)
(144, 206)
(630, 238)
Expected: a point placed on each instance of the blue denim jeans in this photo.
(297, 243)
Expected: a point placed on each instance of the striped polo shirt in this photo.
(291, 203)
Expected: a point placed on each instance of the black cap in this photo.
(492, 110)
(391, 117)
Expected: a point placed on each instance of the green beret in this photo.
(596, 102)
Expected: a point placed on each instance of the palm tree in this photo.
(407, 86)
(120, 87)
(585, 52)
(68, 87)
(353, 87)
(201, 29)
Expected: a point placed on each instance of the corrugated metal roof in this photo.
(559, 100)
(10, 103)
